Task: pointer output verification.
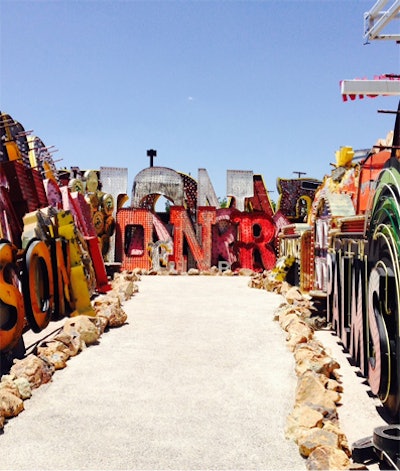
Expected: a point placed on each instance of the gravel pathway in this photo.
(200, 378)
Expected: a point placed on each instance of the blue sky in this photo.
(244, 85)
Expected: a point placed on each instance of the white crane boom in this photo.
(376, 19)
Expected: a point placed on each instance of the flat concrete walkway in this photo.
(200, 378)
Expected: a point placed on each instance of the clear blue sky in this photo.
(245, 85)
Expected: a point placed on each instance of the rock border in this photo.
(213, 271)
(313, 424)
(52, 353)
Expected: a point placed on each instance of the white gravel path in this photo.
(200, 378)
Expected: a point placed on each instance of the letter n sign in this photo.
(184, 227)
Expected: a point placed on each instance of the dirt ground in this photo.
(199, 378)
